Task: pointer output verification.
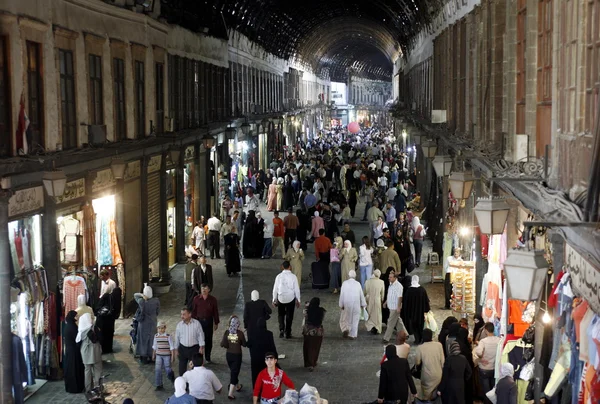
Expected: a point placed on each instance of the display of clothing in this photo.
(104, 245)
(73, 286)
(515, 316)
(68, 231)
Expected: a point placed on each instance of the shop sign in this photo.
(133, 170)
(190, 153)
(104, 179)
(73, 190)
(25, 201)
(154, 164)
(585, 277)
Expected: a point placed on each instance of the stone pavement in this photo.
(347, 369)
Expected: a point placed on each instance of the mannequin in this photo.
(83, 308)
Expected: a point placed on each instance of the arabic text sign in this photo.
(26, 200)
(585, 277)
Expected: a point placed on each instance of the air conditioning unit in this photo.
(96, 135)
(438, 116)
(169, 125)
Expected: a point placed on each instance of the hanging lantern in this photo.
(429, 148)
(245, 128)
(208, 141)
(417, 137)
(54, 182)
(442, 165)
(491, 215)
(118, 166)
(461, 183)
(230, 133)
(525, 271)
(174, 154)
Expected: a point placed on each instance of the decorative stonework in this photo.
(190, 153)
(154, 164)
(133, 170)
(73, 190)
(529, 167)
(104, 179)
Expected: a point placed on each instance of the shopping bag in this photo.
(491, 395)
(430, 322)
(364, 314)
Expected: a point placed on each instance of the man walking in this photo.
(286, 293)
(214, 243)
(206, 310)
(291, 224)
(202, 382)
(189, 339)
(202, 274)
(188, 278)
(486, 350)
(278, 232)
(352, 300)
(394, 304)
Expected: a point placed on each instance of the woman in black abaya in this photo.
(250, 234)
(260, 342)
(72, 364)
(232, 254)
(415, 303)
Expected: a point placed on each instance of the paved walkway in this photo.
(346, 371)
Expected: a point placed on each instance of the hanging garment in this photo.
(115, 251)
(26, 244)
(104, 247)
(73, 286)
(88, 230)
(68, 232)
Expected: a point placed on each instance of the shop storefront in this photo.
(154, 213)
(32, 302)
(189, 188)
(171, 215)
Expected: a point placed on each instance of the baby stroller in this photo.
(133, 333)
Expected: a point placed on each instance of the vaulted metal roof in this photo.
(332, 36)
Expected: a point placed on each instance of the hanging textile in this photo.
(89, 235)
(115, 251)
(104, 243)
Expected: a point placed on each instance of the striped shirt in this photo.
(189, 334)
(162, 345)
(394, 293)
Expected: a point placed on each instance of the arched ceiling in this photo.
(332, 36)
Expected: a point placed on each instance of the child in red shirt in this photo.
(269, 380)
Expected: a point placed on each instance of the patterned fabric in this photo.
(114, 244)
(73, 286)
(104, 247)
(89, 235)
(162, 344)
(312, 331)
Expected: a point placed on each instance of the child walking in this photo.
(163, 354)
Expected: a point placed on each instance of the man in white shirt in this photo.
(394, 303)
(252, 202)
(448, 271)
(214, 242)
(189, 339)
(486, 350)
(107, 284)
(286, 292)
(202, 382)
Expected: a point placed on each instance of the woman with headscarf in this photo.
(506, 388)
(260, 341)
(454, 376)
(317, 224)
(303, 228)
(430, 356)
(478, 324)
(250, 245)
(385, 312)
(402, 247)
(312, 332)
(335, 281)
(279, 188)
(255, 309)
(444, 332)
(232, 254)
(272, 196)
(233, 341)
(295, 256)
(180, 396)
(91, 352)
(418, 232)
(147, 315)
(72, 364)
(109, 309)
(460, 335)
(415, 304)
(348, 257)
(288, 194)
(395, 378)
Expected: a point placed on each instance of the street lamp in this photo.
(525, 271)
(461, 183)
(118, 166)
(54, 182)
(491, 215)
(245, 128)
(174, 153)
(442, 165)
(230, 133)
(208, 141)
(429, 148)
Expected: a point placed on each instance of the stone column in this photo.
(144, 219)
(165, 274)
(180, 211)
(5, 333)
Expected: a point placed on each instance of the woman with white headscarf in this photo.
(295, 256)
(506, 388)
(91, 352)
(147, 315)
(180, 396)
(418, 235)
(456, 371)
(348, 257)
(415, 304)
